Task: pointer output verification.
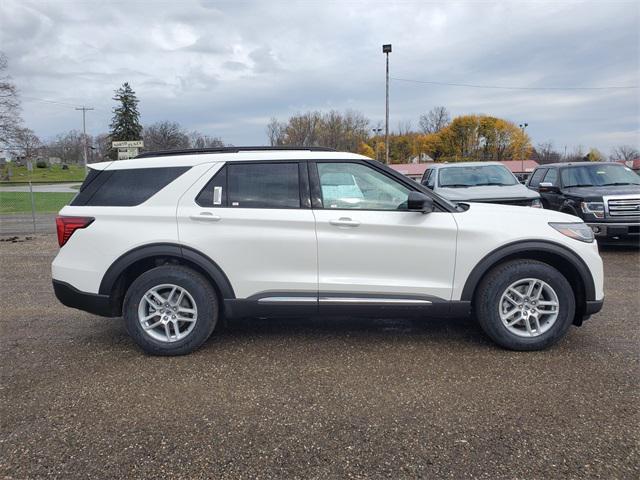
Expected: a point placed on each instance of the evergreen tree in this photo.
(125, 124)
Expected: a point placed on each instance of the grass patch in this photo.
(55, 173)
(20, 202)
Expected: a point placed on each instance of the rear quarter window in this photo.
(124, 188)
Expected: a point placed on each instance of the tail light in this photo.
(67, 225)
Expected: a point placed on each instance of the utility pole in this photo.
(84, 133)
(523, 126)
(377, 132)
(386, 49)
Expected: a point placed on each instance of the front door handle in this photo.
(205, 217)
(344, 222)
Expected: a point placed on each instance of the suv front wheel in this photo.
(525, 305)
(170, 310)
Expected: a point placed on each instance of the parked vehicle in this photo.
(605, 195)
(487, 182)
(173, 241)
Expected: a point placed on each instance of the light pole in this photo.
(522, 127)
(386, 49)
(377, 133)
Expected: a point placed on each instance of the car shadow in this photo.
(353, 328)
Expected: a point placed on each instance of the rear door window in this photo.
(263, 185)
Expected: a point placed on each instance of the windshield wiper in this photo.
(495, 184)
(579, 185)
(618, 183)
(456, 185)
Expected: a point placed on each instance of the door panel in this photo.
(387, 252)
(259, 249)
(369, 244)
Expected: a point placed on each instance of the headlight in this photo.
(594, 208)
(577, 231)
(536, 203)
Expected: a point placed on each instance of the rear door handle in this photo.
(344, 222)
(205, 217)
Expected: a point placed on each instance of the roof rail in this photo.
(200, 151)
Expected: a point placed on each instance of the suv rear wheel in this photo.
(525, 305)
(170, 310)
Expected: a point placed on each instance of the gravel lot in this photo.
(306, 398)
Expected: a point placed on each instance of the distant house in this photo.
(411, 170)
(521, 169)
(632, 164)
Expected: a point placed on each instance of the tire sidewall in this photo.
(500, 280)
(203, 296)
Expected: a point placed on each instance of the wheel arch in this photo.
(553, 254)
(133, 263)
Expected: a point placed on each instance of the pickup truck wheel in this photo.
(525, 305)
(170, 310)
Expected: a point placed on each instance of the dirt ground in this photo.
(301, 398)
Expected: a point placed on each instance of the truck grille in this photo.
(627, 206)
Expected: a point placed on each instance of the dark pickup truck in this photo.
(606, 196)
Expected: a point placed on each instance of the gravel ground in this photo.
(339, 398)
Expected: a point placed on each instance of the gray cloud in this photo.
(227, 67)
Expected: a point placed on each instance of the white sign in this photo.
(126, 153)
(128, 144)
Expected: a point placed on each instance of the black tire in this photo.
(200, 290)
(494, 284)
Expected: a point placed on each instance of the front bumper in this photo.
(614, 231)
(89, 302)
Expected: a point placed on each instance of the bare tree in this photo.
(577, 154)
(342, 131)
(303, 129)
(102, 147)
(545, 153)
(9, 105)
(404, 127)
(624, 153)
(200, 140)
(165, 136)
(26, 143)
(276, 132)
(68, 146)
(435, 120)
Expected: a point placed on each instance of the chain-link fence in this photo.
(27, 208)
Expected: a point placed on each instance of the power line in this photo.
(55, 102)
(503, 87)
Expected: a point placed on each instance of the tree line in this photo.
(438, 138)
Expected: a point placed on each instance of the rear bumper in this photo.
(89, 302)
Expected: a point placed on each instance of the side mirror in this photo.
(419, 202)
(547, 187)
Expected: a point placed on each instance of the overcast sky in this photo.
(226, 67)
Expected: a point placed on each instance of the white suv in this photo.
(173, 241)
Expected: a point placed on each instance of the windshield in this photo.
(598, 176)
(476, 175)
